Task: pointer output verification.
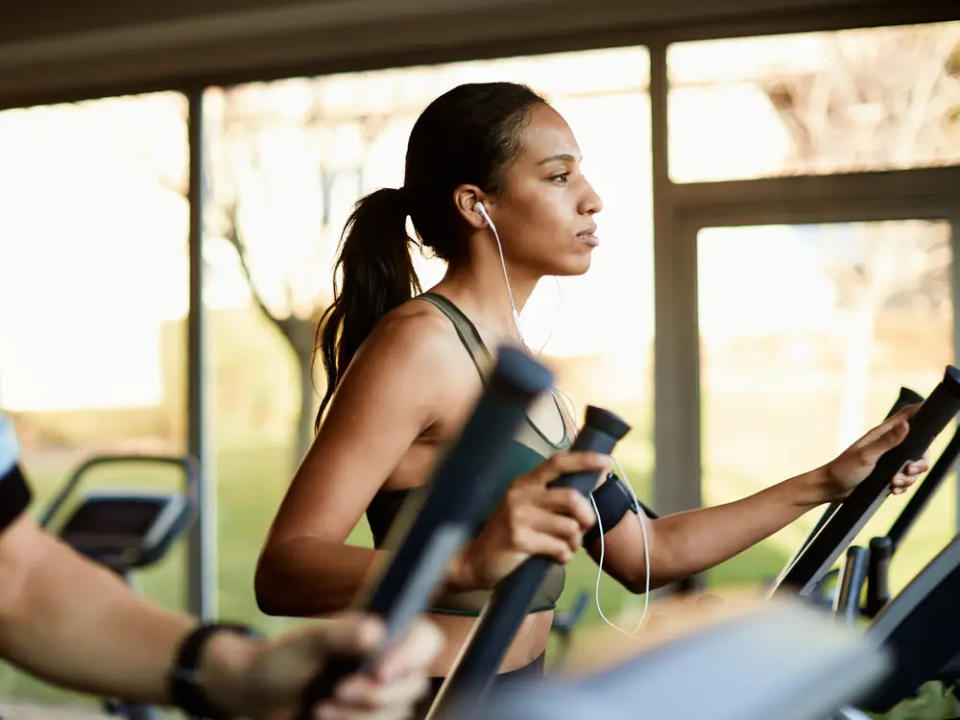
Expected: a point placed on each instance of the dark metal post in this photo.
(201, 556)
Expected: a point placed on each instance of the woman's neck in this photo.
(479, 289)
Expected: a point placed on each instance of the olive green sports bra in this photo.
(530, 448)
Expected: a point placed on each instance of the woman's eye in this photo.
(561, 177)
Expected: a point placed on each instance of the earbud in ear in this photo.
(483, 211)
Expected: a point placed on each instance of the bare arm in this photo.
(74, 623)
(412, 374)
(384, 402)
(689, 542)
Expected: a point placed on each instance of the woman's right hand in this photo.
(531, 519)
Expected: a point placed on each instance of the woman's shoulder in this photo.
(414, 332)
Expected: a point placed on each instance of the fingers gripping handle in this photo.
(462, 693)
(906, 397)
(464, 483)
(601, 431)
(819, 555)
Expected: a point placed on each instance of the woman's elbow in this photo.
(265, 589)
(282, 590)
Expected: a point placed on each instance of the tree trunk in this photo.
(305, 416)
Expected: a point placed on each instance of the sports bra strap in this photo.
(466, 330)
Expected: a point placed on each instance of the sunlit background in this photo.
(807, 331)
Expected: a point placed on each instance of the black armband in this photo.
(613, 501)
(14, 497)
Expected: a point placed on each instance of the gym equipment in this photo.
(906, 397)
(883, 548)
(125, 529)
(836, 533)
(463, 491)
(466, 686)
(783, 662)
(919, 628)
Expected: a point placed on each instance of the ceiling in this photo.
(62, 49)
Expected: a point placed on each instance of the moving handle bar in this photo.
(906, 397)
(882, 548)
(463, 487)
(803, 574)
(462, 694)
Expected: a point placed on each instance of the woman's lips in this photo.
(589, 236)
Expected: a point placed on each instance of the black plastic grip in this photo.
(878, 575)
(838, 532)
(921, 497)
(847, 605)
(463, 692)
(906, 397)
(463, 484)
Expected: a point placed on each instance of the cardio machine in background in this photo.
(125, 528)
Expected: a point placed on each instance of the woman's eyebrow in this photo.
(566, 157)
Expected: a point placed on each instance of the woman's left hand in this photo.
(855, 463)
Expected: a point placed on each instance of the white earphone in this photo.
(483, 211)
(636, 504)
(513, 306)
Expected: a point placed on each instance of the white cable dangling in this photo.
(503, 265)
(636, 503)
(641, 517)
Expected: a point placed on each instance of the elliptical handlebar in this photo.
(839, 530)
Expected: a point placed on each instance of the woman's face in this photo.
(544, 213)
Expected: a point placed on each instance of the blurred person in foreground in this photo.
(75, 623)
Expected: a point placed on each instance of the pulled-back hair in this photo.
(468, 135)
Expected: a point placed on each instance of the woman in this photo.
(403, 376)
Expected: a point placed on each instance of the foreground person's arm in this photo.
(76, 624)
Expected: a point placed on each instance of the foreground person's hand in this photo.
(270, 676)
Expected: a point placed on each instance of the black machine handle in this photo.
(921, 497)
(878, 575)
(838, 532)
(463, 487)
(187, 463)
(906, 397)
(882, 548)
(463, 692)
(847, 605)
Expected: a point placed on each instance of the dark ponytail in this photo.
(377, 276)
(466, 136)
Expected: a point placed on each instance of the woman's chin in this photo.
(575, 266)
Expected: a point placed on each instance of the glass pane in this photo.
(288, 161)
(869, 99)
(93, 296)
(807, 333)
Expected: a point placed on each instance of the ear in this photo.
(465, 198)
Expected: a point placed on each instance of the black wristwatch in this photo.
(14, 496)
(183, 682)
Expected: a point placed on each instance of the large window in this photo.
(93, 295)
(869, 99)
(289, 159)
(807, 333)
